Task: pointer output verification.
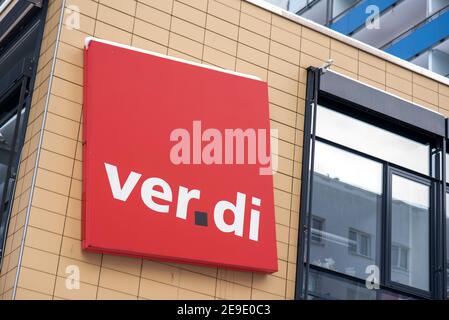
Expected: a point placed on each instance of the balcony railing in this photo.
(414, 28)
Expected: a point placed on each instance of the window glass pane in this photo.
(323, 286)
(410, 233)
(372, 140)
(347, 192)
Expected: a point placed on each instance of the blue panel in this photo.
(422, 38)
(356, 17)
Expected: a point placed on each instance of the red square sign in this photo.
(176, 160)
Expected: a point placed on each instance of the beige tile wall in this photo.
(232, 34)
(28, 158)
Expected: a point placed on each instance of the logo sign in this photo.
(175, 161)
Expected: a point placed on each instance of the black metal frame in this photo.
(416, 129)
(21, 76)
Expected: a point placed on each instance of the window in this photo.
(399, 257)
(317, 229)
(372, 140)
(359, 243)
(410, 229)
(347, 194)
(375, 184)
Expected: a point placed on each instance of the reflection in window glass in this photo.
(410, 233)
(329, 287)
(372, 140)
(447, 242)
(347, 195)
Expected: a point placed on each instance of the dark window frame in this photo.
(21, 73)
(417, 130)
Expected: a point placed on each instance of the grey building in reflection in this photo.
(345, 238)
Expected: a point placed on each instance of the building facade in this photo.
(412, 30)
(361, 151)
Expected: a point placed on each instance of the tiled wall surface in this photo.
(231, 34)
(23, 192)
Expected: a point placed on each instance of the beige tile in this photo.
(71, 248)
(251, 69)
(425, 82)
(115, 18)
(443, 89)
(129, 265)
(128, 6)
(187, 29)
(48, 200)
(283, 83)
(399, 84)
(197, 282)
(283, 52)
(151, 32)
(36, 280)
(185, 45)
(165, 6)
(145, 44)
(221, 43)
(76, 189)
(399, 71)
(153, 15)
(256, 11)
(314, 49)
(88, 273)
(423, 93)
(184, 294)
(119, 281)
(198, 4)
(345, 49)
(262, 295)
(286, 38)
(284, 68)
(69, 71)
(74, 208)
(43, 240)
(286, 24)
(67, 90)
(232, 291)
(282, 115)
(72, 228)
(40, 260)
(160, 272)
(85, 291)
(189, 13)
(158, 291)
(87, 7)
(222, 27)
(107, 294)
(372, 73)
(218, 58)
(344, 61)
(371, 60)
(108, 32)
(251, 55)
(282, 99)
(46, 220)
(254, 40)
(253, 24)
(25, 294)
(316, 37)
(223, 11)
(65, 108)
(53, 181)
